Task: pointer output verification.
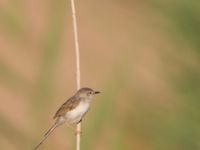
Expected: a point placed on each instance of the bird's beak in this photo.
(97, 92)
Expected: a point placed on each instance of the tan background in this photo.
(142, 55)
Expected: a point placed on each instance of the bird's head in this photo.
(87, 92)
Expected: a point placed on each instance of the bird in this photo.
(72, 111)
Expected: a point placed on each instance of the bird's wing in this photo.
(67, 106)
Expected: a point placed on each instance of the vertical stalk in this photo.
(78, 79)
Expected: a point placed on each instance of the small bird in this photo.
(72, 111)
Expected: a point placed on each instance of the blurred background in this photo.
(144, 56)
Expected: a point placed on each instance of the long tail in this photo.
(46, 135)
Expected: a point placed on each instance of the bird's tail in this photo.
(46, 135)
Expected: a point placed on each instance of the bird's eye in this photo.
(89, 93)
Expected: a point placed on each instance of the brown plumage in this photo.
(70, 104)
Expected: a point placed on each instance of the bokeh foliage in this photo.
(143, 56)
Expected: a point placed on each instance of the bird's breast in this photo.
(75, 115)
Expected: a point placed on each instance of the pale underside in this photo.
(75, 115)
